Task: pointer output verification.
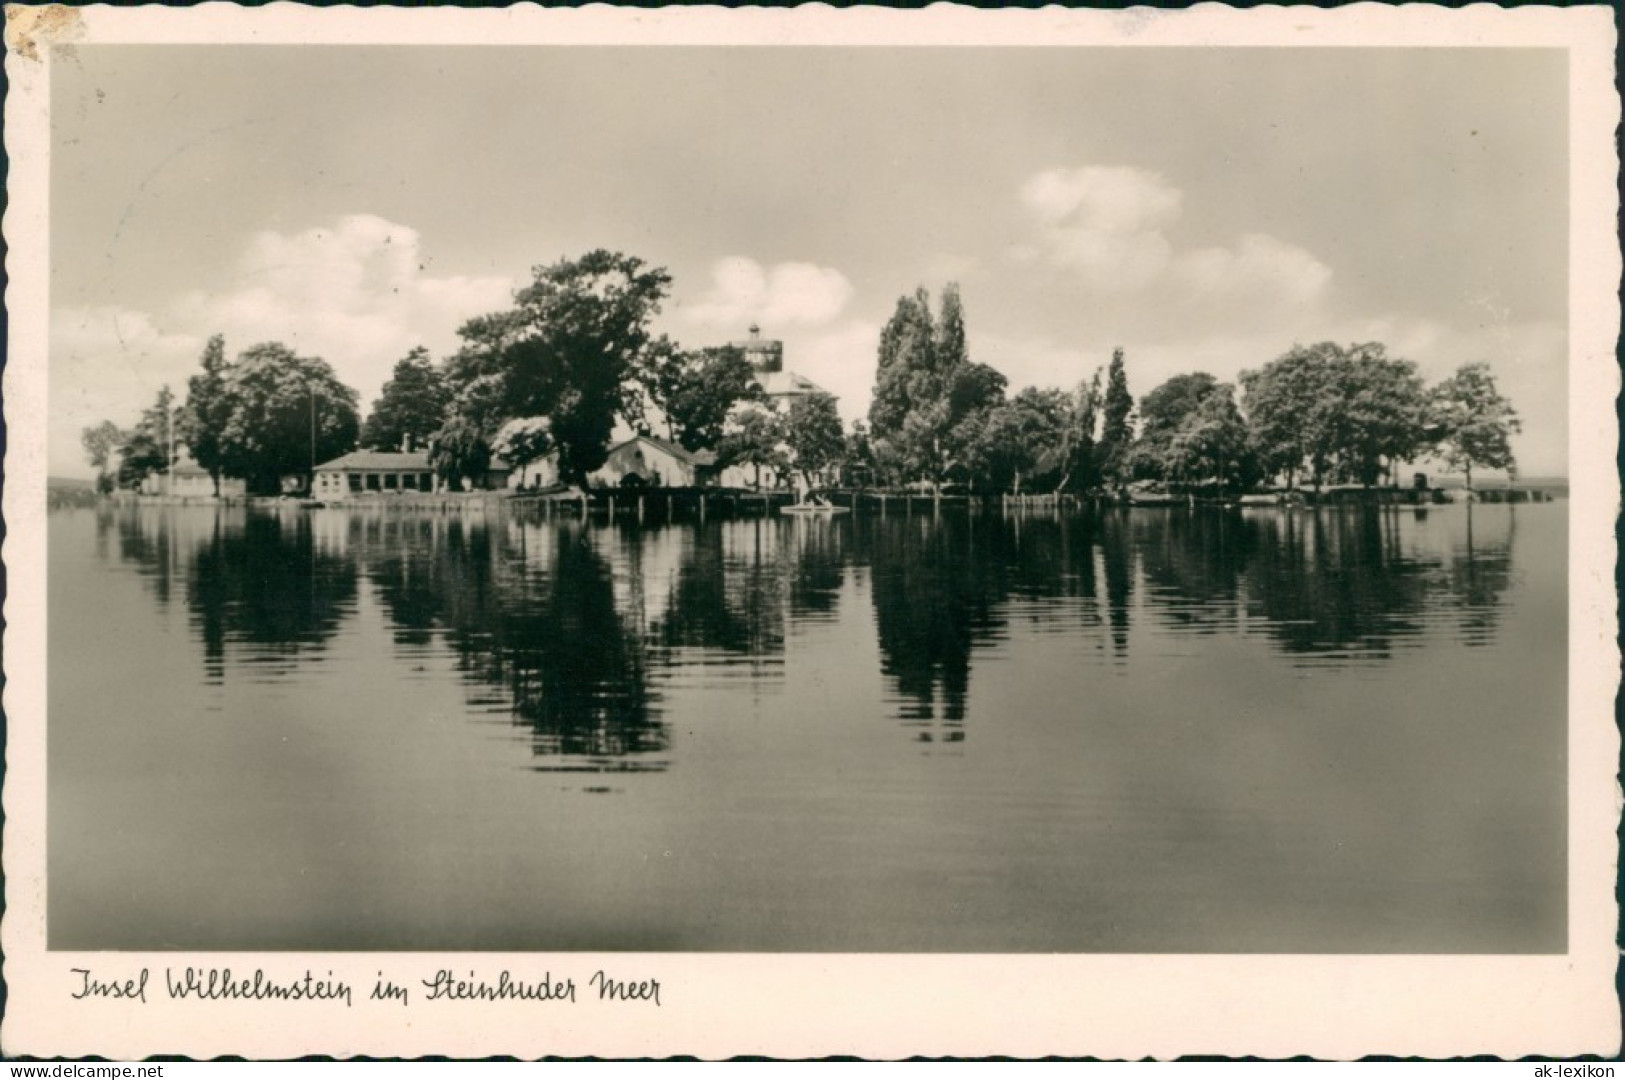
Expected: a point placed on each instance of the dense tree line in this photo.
(576, 354)
(268, 414)
(549, 376)
(1317, 414)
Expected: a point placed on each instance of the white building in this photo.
(645, 460)
(782, 388)
(766, 358)
(187, 479)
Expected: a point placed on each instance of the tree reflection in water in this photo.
(1480, 575)
(1193, 565)
(539, 621)
(728, 595)
(1117, 560)
(253, 581)
(1343, 583)
(570, 627)
(936, 581)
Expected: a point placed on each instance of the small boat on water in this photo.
(809, 504)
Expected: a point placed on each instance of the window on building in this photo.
(372, 481)
(390, 481)
(426, 481)
(409, 481)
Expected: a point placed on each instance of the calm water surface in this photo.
(1145, 731)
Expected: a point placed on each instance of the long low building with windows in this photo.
(386, 472)
(363, 471)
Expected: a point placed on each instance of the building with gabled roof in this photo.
(647, 460)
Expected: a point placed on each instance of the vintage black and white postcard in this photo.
(694, 531)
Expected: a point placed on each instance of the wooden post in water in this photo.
(668, 506)
(612, 508)
(640, 509)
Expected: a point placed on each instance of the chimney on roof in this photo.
(406, 443)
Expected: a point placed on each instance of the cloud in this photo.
(787, 294)
(1113, 199)
(1106, 226)
(357, 293)
(1259, 268)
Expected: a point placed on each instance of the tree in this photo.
(1163, 413)
(567, 350)
(1350, 412)
(1381, 412)
(475, 377)
(1117, 429)
(209, 406)
(146, 450)
(1023, 437)
(291, 413)
(859, 467)
(756, 440)
(1472, 423)
(100, 443)
(1211, 443)
(519, 442)
(1075, 455)
(412, 405)
(697, 392)
(813, 436)
(906, 347)
(930, 397)
(1285, 403)
(951, 351)
(458, 452)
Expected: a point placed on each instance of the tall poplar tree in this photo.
(906, 345)
(930, 397)
(209, 405)
(1117, 430)
(1076, 451)
(952, 353)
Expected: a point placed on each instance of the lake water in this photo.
(1145, 730)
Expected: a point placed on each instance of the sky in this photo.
(1203, 209)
